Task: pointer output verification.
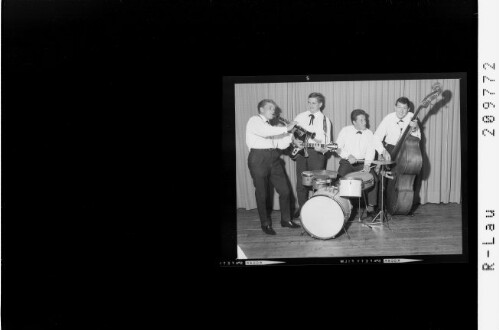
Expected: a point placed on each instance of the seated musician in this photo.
(356, 149)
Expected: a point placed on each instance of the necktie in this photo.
(359, 132)
(398, 123)
(311, 119)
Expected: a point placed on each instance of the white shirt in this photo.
(361, 146)
(391, 129)
(317, 127)
(261, 135)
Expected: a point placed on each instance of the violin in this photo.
(301, 134)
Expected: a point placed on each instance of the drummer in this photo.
(356, 149)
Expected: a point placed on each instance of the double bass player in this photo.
(393, 125)
(391, 129)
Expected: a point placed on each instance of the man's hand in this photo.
(414, 125)
(367, 168)
(386, 155)
(291, 125)
(321, 150)
(298, 143)
(352, 159)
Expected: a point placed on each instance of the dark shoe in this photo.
(268, 230)
(289, 224)
(296, 215)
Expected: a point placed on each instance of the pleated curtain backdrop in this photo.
(440, 178)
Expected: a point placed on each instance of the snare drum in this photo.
(327, 173)
(325, 213)
(321, 182)
(306, 178)
(350, 187)
(366, 177)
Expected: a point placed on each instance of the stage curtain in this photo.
(440, 179)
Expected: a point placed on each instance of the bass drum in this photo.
(325, 213)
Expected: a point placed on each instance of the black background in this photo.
(110, 212)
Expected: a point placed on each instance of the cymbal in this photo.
(383, 162)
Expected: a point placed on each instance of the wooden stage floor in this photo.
(434, 229)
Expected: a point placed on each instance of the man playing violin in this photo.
(265, 164)
(314, 121)
(356, 149)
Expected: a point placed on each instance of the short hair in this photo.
(263, 103)
(403, 100)
(356, 113)
(320, 98)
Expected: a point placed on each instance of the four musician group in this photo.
(356, 146)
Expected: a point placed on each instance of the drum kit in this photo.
(324, 215)
(326, 212)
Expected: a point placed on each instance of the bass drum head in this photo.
(322, 217)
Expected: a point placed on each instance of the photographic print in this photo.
(357, 167)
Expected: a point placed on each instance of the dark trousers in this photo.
(315, 161)
(265, 167)
(346, 167)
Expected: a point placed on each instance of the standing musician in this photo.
(393, 125)
(265, 165)
(314, 121)
(391, 129)
(356, 149)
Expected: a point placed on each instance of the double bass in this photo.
(408, 164)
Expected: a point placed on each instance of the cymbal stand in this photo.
(382, 214)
